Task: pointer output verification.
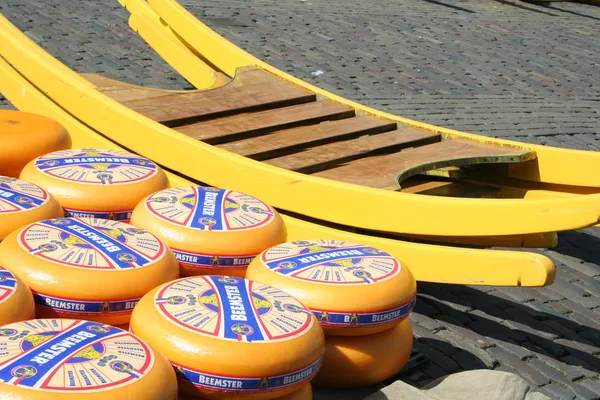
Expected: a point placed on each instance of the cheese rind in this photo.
(25, 136)
(85, 268)
(16, 300)
(211, 231)
(352, 289)
(22, 203)
(77, 359)
(353, 361)
(213, 329)
(96, 183)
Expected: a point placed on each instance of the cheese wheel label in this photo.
(349, 319)
(123, 215)
(91, 244)
(209, 209)
(331, 262)
(71, 356)
(233, 309)
(227, 383)
(96, 167)
(17, 196)
(208, 261)
(80, 308)
(8, 284)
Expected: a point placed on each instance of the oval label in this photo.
(18, 196)
(71, 356)
(91, 243)
(233, 309)
(96, 166)
(209, 209)
(331, 262)
(8, 284)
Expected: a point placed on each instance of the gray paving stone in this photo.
(559, 391)
(524, 369)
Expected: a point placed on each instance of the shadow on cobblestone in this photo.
(512, 4)
(439, 3)
(569, 11)
(549, 339)
(583, 246)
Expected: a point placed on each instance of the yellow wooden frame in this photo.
(427, 262)
(347, 204)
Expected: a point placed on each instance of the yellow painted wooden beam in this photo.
(427, 262)
(553, 165)
(338, 202)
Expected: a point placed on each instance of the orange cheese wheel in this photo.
(229, 337)
(352, 289)
(87, 268)
(304, 393)
(16, 300)
(45, 359)
(22, 203)
(96, 183)
(211, 231)
(352, 361)
(25, 136)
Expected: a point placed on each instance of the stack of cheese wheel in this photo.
(229, 337)
(25, 136)
(96, 183)
(22, 203)
(16, 300)
(211, 231)
(360, 295)
(74, 359)
(92, 269)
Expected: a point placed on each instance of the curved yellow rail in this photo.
(554, 165)
(427, 262)
(151, 28)
(317, 197)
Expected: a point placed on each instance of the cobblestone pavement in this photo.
(506, 68)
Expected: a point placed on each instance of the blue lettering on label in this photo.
(44, 164)
(112, 215)
(121, 255)
(246, 385)
(40, 360)
(19, 199)
(208, 261)
(359, 320)
(304, 261)
(208, 209)
(84, 306)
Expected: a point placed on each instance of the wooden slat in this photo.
(251, 89)
(290, 140)
(121, 91)
(251, 124)
(326, 156)
(387, 170)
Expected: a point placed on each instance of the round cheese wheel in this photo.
(211, 231)
(96, 183)
(22, 203)
(352, 361)
(304, 393)
(46, 359)
(352, 289)
(229, 337)
(87, 268)
(16, 300)
(25, 136)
